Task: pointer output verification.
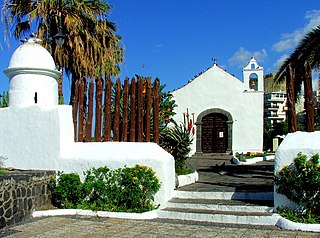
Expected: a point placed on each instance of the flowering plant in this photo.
(254, 154)
(124, 189)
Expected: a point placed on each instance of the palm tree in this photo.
(91, 47)
(296, 69)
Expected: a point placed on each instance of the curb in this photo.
(187, 179)
(290, 225)
(252, 160)
(78, 212)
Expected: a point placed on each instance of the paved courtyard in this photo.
(249, 178)
(105, 227)
(216, 173)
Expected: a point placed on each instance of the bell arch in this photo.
(253, 76)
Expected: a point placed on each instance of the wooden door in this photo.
(214, 136)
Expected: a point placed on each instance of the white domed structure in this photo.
(33, 76)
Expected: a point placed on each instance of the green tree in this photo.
(4, 99)
(296, 69)
(91, 48)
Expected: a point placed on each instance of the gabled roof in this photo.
(216, 73)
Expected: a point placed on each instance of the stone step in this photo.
(255, 208)
(252, 218)
(223, 205)
(224, 195)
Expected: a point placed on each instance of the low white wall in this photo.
(41, 137)
(83, 156)
(30, 136)
(307, 143)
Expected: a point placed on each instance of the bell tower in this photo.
(253, 76)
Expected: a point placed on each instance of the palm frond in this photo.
(308, 49)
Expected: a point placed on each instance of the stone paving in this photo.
(217, 174)
(95, 227)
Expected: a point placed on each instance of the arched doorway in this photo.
(214, 131)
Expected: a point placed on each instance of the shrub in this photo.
(300, 183)
(177, 140)
(298, 216)
(68, 191)
(124, 189)
(134, 188)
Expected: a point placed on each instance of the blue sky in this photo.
(175, 40)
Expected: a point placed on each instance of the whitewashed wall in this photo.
(41, 137)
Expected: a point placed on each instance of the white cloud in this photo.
(242, 57)
(279, 62)
(289, 41)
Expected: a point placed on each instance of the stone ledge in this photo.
(252, 160)
(187, 179)
(290, 225)
(78, 212)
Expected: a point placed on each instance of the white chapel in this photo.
(226, 113)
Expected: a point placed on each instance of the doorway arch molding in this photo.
(199, 128)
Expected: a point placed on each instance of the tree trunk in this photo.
(107, 109)
(133, 111)
(90, 112)
(309, 100)
(139, 112)
(148, 109)
(124, 136)
(116, 119)
(99, 92)
(60, 91)
(292, 122)
(74, 79)
(156, 106)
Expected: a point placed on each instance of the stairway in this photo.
(254, 208)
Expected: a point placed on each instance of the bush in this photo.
(298, 216)
(176, 141)
(124, 189)
(300, 183)
(68, 191)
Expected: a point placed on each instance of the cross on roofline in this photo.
(214, 60)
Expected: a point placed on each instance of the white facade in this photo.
(39, 134)
(239, 109)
